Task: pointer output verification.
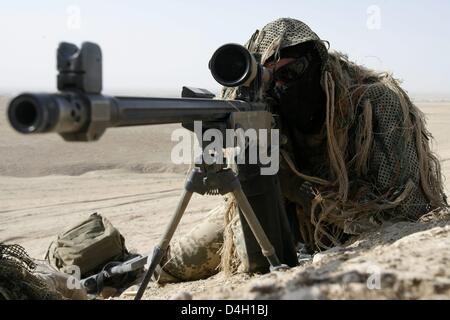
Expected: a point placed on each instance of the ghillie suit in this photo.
(17, 281)
(366, 158)
(372, 160)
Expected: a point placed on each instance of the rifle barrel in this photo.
(143, 111)
(84, 117)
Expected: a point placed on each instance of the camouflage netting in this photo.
(380, 163)
(16, 279)
(377, 164)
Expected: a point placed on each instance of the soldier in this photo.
(357, 154)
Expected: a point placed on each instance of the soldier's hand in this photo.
(295, 189)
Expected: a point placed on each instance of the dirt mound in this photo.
(377, 265)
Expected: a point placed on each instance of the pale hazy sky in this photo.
(158, 45)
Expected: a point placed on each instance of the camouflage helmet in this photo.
(275, 36)
(283, 33)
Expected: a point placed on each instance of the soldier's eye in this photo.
(291, 71)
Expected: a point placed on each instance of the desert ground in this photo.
(47, 185)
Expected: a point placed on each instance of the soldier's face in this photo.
(274, 66)
(297, 90)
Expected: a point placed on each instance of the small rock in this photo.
(182, 296)
(108, 292)
(130, 292)
(352, 277)
(441, 288)
(264, 287)
(318, 258)
(307, 293)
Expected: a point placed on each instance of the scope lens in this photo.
(230, 65)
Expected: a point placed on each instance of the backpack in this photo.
(90, 245)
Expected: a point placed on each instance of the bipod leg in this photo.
(161, 249)
(266, 247)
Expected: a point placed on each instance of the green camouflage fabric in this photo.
(195, 255)
(89, 245)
